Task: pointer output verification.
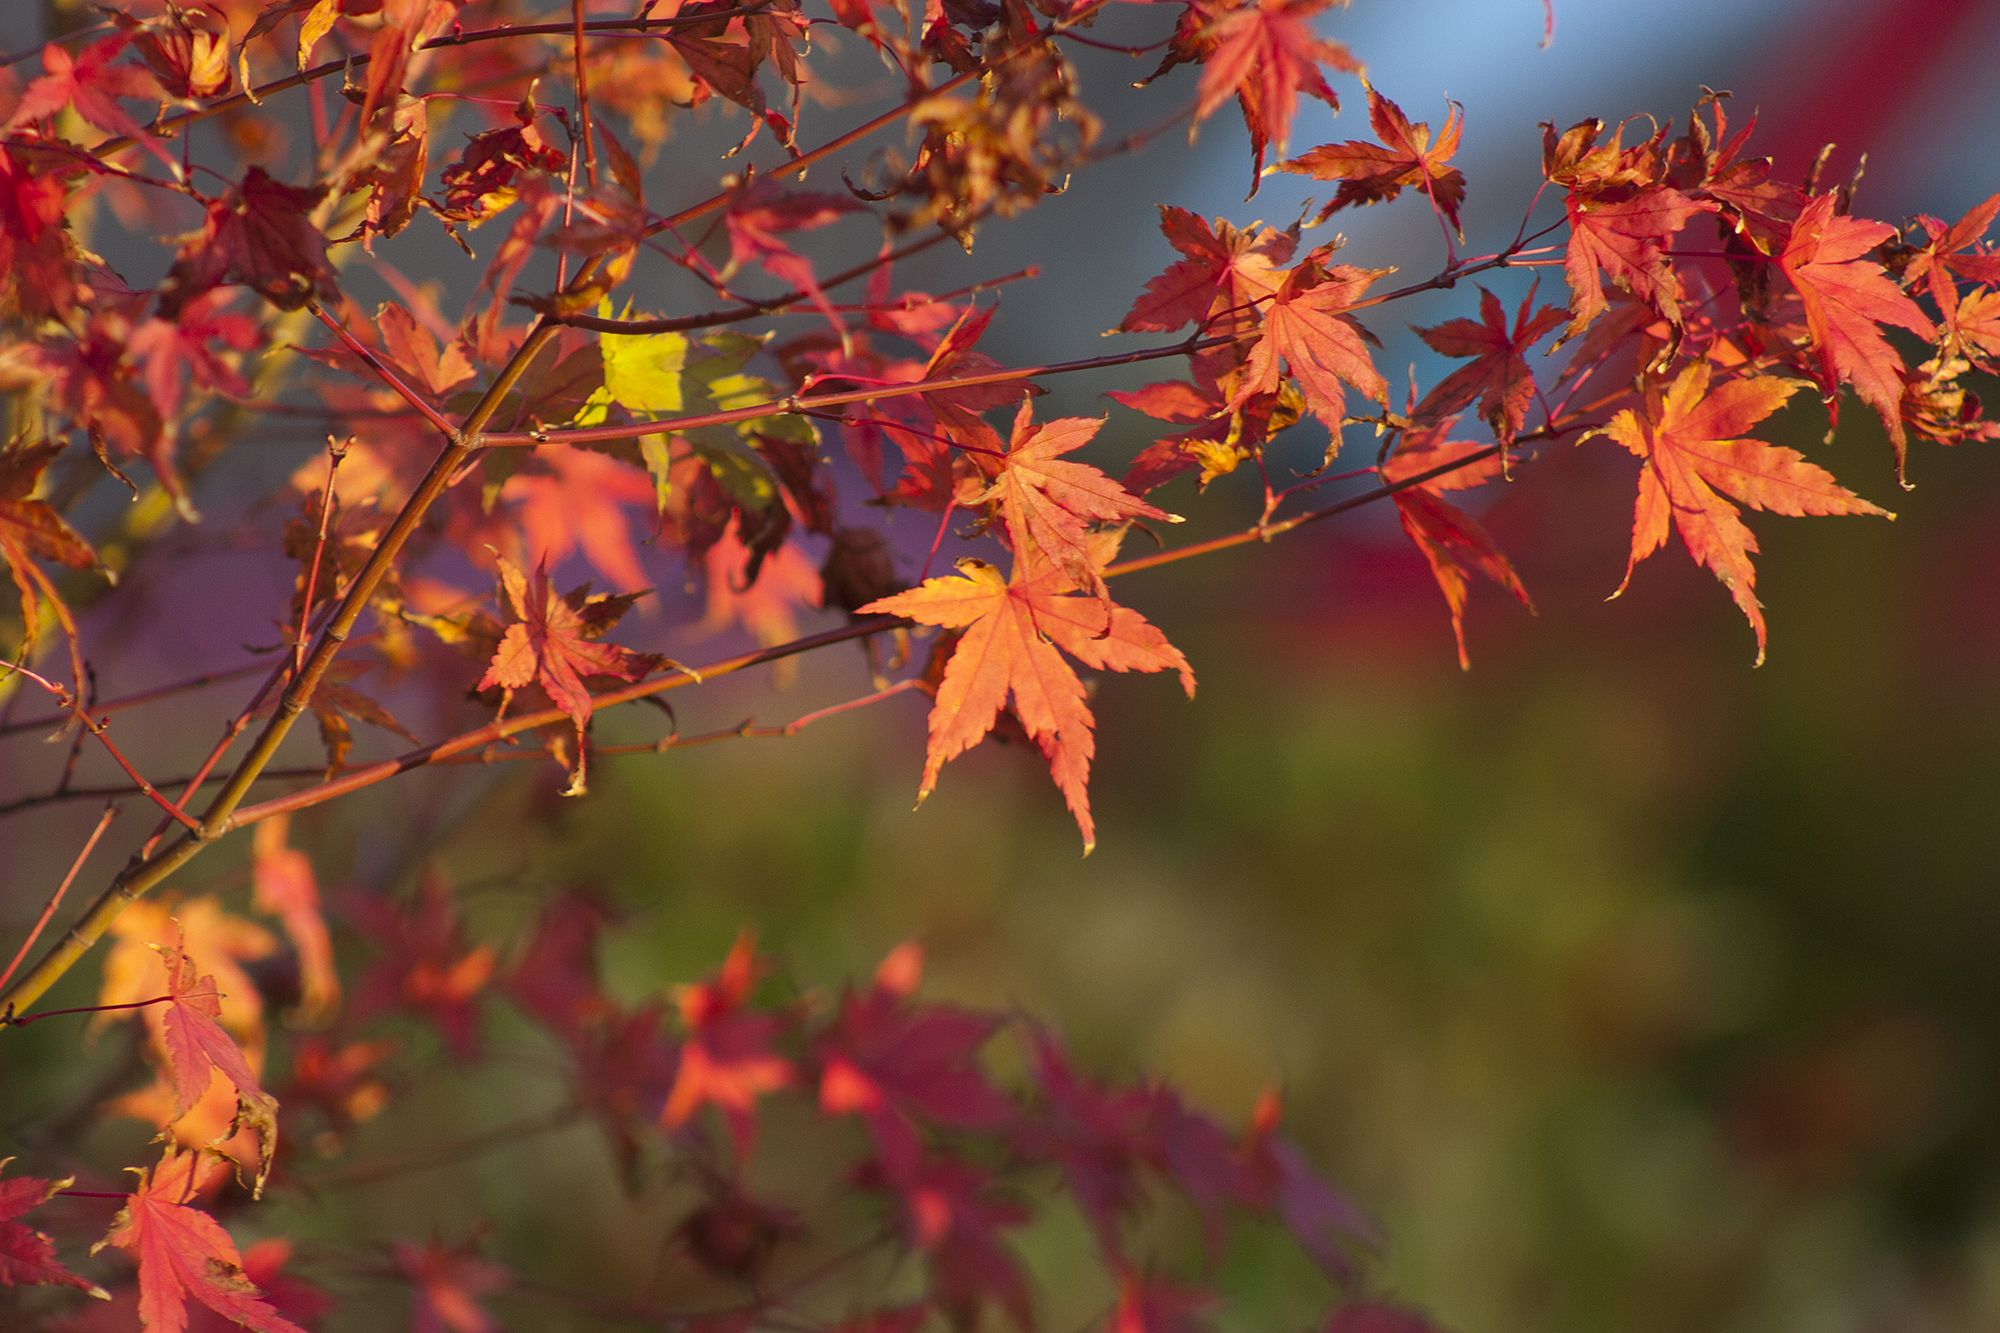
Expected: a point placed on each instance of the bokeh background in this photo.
(1630, 988)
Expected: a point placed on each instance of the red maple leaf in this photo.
(90, 83)
(1049, 504)
(1322, 345)
(486, 176)
(1373, 173)
(757, 217)
(553, 644)
(1265, 53)
(727, 1061)
(899, 1065)
(1696, 460)
(1151, 1304)
(27, 1257)
(1010, 633)
(37, 277)
(953, 1213)
(1226, 275)
(1845, 297)
(427, 965)
(1453, 542)
(169, 351)
(1322, 1220)
(260, 234)
(1499, 376)
(446, 1283)
(184, 1253)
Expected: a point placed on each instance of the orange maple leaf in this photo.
(1626, 238)
(554, 644)
(30, 530)
(1373, 173)
(1048, 503)
(1696, 461)
(183, 1252)
(1499, 376)
(1453, 542)
(1010, 633)
(1956, 252)
(198, 1049)
(1308, 325)
(287, 889)
(1845, 297)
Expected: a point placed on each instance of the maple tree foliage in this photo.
(213, 230)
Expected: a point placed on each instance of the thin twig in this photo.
(55, 899)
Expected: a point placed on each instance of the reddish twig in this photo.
(96, 728)
(55, 899)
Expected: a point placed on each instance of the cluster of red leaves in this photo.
(953, 1164)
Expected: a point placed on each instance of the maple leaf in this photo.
(1954, 254)
(756, 217)
(27, 1256)
(1976, 324)
(955, 1216)
(184, 1253)
(260, 234)
(394, 174)
(1048, 503)
(417, 352)
(30, 530)
(1696, 460)
(1846, 296)
(899, 1065)
(1010, 633)
(446, 1283)
(286, 888)
(555, 979)
(1625, 234)
(187, 49)
(1149, 1304)
(1324, 1223)
(727, 1060)
(1101, 1137)
(553, 644)
(37, 273)
(428, 966)
(90, 83)
(198, 1049)
(171, 350)
(583, 500)
(1322, 345)
(1499, 376)
(1373, 173)
(486, 177)
(1265, 53)
(1227, 273)
(1453, 543)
